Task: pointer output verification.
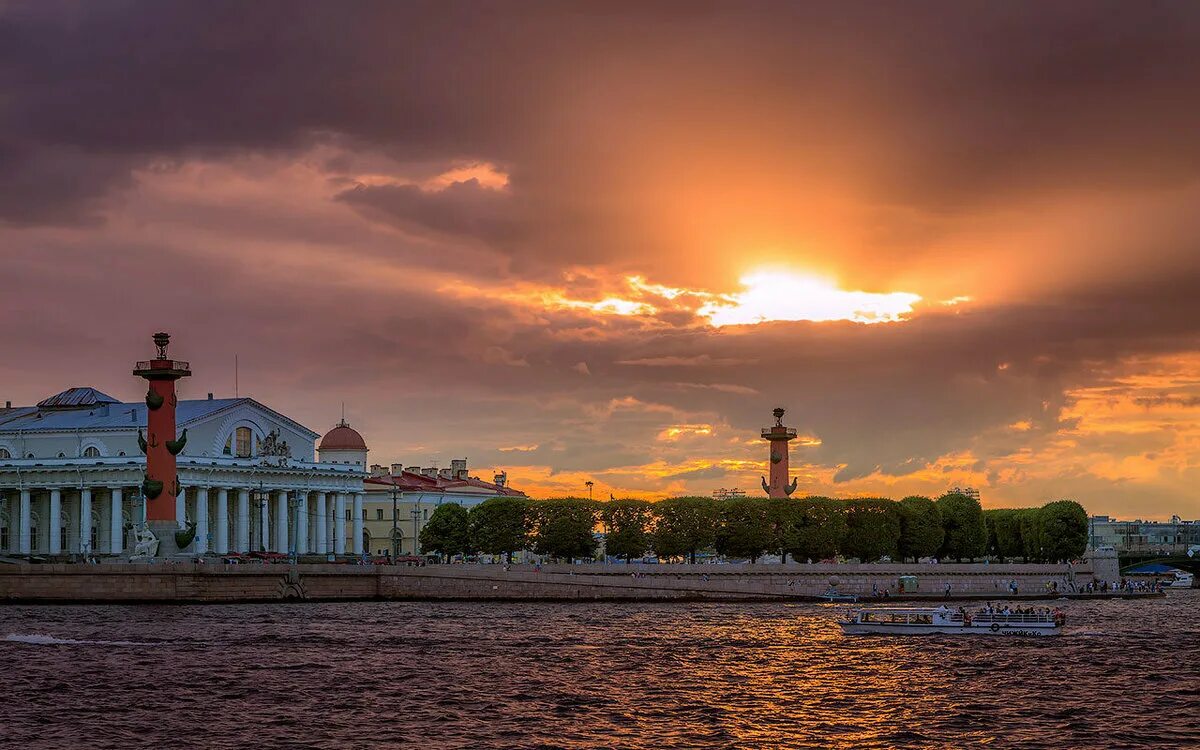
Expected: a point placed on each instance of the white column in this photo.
(358, 523)
(243, 520)
(303, 524)
(264, 519)
(322, 520)
(181, 505)
(281, 521)
(201, 544)
(85, 521)
(55, 522)
(222, 538)
(339, 524)
(25, 544)
(116, 522)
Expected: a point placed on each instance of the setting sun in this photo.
(783, 295)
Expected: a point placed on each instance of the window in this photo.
(91, 452)
(425, 514)
(5, 454)
(243, 436)
(364, 514)
(379, 514)
(4, 537)
(349, 517)
(62, 538)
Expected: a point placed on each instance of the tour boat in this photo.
(921, 620)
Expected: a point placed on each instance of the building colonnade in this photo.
(99, 520)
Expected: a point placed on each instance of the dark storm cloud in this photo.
(949, 102)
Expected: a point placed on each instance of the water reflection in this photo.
(428, 675)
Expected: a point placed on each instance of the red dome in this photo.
(343, 438)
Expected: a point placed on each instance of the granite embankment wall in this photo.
(209, 582)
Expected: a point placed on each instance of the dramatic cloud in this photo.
(602, 240)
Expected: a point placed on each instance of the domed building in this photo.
(71, 469)
(343, 445)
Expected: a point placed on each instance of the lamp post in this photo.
(260, 502)
(589, 484)
(395, 521)
(293, 501)
(416, 515)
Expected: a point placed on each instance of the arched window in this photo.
(5, 454)
(91, 452)
(243, 438)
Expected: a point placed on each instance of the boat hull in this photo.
(872, 628)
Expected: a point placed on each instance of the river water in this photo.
(438, 675)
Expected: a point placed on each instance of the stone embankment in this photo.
(209, 582)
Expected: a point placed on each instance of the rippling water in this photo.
(430, 675)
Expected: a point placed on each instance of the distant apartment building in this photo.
(728, 494)
(970, 492)
(1167, 538)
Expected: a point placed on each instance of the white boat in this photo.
(1182, 580)
(923, 620)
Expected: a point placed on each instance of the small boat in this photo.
(838, 597)
(833, 595)
(1182, 580)
(923, 620)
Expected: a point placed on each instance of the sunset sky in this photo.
(959, 242)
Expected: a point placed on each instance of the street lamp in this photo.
(395, 521)
(589, 483)
(260, 502)
(416, 514)
(293, 500)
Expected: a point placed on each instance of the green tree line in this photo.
(952, 527)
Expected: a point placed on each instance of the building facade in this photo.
(1168, 538)
(400, 499)
(71, 469)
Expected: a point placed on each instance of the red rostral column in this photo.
(778, 437)
(162, 482)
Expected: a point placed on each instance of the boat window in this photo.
(921, 619)
(899, 618)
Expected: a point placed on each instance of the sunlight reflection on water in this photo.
(432, 675)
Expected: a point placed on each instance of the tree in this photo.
(921, 532)
(498, 526)
(873, 529)
(1004, 533)
(1031, 534)
(962, 521)
(448, 531)
(683, 526)
(564, 527)
(784, 516)
(1063, 527)
(742, 528)
(627, 524)
(820, 530)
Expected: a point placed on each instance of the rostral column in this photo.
(161, 484)
(778, 437)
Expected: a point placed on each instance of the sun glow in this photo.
(780, 295)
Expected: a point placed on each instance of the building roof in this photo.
(76, 398)
(342, 438)
(409, 481)
(112, 414)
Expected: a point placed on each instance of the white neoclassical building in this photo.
(71, 469)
